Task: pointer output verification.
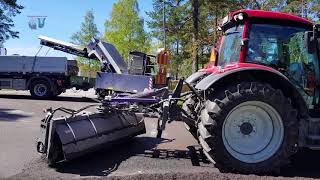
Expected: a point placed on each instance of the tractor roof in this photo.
(273, 15)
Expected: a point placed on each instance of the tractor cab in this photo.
(269, 40)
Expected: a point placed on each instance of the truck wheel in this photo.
(40, 89)
(248, 128)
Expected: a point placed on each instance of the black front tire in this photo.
(215, 112)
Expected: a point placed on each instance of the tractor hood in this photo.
(217, 72)
(232, 66)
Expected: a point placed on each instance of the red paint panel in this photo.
(273, 15)
(232, 66)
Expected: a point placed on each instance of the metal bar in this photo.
(132, 100)
(94, 127)
(74, 136)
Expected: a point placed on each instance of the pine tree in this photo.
(309, 9)
(177, 21)
(88, 30)
(125, 29)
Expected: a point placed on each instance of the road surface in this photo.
(19, 125)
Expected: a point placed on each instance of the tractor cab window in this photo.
(230, 45)
(282, 47)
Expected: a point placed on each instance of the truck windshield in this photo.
(230, 45)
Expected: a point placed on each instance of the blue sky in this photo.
(63, 19)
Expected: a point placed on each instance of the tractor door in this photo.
(281, 46)
(303, 67)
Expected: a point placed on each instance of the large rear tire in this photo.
(248, 128)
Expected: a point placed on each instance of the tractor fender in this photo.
(195, 77)
(273, 77)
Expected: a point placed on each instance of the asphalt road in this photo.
(19, 125)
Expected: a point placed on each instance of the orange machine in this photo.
(163, 64)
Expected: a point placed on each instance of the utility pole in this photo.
(164, 26)
(195, 33)
(302, 8)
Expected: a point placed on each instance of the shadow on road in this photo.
(59, 98)
(12, 114)
(104, 162)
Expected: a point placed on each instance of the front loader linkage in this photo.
(170, 110)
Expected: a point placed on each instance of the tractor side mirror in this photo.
(309, 42)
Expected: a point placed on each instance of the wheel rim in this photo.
(40, 89)
(253, 131)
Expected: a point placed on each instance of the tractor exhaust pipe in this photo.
(67, 138)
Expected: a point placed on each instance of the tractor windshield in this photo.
(275, 44)
(230, 45)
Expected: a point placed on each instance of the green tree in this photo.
(125, 29)
(8, 9)
(306, 8)
(88, 30)
(177, 21)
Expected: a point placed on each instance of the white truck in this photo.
(44, 76)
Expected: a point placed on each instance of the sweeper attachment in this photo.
(117, 119)
(70, 137)
(119, 116)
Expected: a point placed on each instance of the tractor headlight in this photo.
(238, 17)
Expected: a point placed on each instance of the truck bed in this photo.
(31, 64)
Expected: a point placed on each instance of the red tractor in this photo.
(258, 102)
(250, 109)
